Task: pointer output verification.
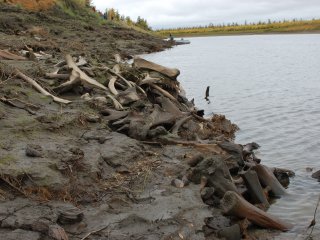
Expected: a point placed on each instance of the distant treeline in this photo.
(269, 26)
(114, 15)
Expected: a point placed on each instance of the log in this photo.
(144, 64)
(267, 178)
(234, 205)
(254, 187)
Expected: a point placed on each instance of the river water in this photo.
(269, 85)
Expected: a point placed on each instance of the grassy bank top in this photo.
(293, 26)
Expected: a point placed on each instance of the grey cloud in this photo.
(175, 13)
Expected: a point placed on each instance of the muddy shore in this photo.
(152, 169)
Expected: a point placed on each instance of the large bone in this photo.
(267, 178)
(179, 123)
(217, 174)
(8, 55)
(253, 185)
(112, 115)
(111, 86)
(234, 205)
(144, 64)
(77, 76)
(39, 88)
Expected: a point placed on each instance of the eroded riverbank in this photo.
(130, 157)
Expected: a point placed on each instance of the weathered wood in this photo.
(234, 205)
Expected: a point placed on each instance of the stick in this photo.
(207, 93)
(313, 222)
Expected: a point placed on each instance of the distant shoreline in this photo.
(242, 34)
(285, 27)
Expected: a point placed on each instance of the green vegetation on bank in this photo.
(285, 26)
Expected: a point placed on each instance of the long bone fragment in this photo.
(234, 205)
(267, 178)
(111, 86)
(40, 89)
(253, 185)
(144, 64)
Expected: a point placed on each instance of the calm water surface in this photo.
(270, 86)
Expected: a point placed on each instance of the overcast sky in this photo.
(176, 13)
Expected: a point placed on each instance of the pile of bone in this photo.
(142, 100)
(243, 190)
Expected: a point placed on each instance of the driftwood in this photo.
(253, 185)
(144, 64)
(267, 178)
(234, 205)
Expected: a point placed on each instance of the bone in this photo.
(253, 185)
(267, 178)
(234, 205)
(144, 64)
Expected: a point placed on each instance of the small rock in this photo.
(93, 118)
(34, 150)
(177, 183)
(194, 160)
(57, 232)
(70, 216)
(316, 175)
(230, 233)
(283, 178)
(309, 169)
(207, 193)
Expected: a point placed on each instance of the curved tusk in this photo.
(112, 87)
